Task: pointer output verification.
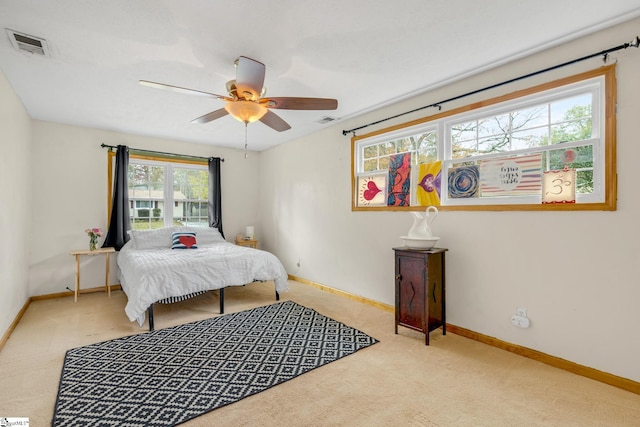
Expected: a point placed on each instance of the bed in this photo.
(175, 263)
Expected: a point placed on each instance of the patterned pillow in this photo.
(183, 240)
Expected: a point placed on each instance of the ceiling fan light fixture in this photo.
(246, 111)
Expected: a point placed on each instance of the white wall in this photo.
(585, 310)
(69, 171)
(15, 203)
(584, 306)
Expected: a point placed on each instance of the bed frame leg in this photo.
(221, 300)
(277, 296)
(150, 315)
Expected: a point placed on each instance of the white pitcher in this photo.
(421, 228)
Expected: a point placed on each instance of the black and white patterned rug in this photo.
(169, 376)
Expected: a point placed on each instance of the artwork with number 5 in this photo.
(559, 186)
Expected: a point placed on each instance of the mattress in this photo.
(151, 275)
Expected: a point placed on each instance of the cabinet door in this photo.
(435, 297)
(411, 291)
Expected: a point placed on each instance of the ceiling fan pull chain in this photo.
(246, 125)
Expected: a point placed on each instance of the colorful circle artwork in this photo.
(464, 182)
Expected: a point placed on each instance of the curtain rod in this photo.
(112, 147)
(604, 53)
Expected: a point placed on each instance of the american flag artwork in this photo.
(511, 176)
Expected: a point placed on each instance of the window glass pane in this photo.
(575, 130)
(424, 148)
(185, 202)
(191, 189)
(464, 149)
(574, 107)
(530, 117)
(370, 151)
(529, 138)
(146, 191)
(583, 158)
(493, 144)
(387, 148)
(584, 181)
(406, 144)
(371, 165)
(464, 132)
(427, 141)
(384, 163)
(497, 125)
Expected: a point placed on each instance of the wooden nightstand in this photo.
(248, 243)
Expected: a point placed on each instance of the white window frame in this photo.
(168, 191)
(600, 84)
(594, 86)
(170, 164)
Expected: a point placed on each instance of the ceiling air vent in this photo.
(27, 43)
(326, 119)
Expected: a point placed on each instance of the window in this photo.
(165, 193)
(498, 154)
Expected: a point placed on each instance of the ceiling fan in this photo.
(246, 101)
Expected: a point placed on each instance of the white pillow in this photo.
(205, 235)
(159, 238)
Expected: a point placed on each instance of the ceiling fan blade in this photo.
(249, 78)
(179, 89)
(210, 116)
(288, 103)
(274, 121)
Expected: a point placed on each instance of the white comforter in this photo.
(151, 275)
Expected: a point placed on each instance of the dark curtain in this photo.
(117, 234)
(215, 195)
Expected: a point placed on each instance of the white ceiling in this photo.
(365, 53)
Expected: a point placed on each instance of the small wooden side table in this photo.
(100, 251)
(248, 243)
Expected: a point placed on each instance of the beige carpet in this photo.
(397, 382)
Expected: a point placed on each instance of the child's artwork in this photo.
(511, 176)
(372, 190)
(428, 188)
(464, 182)
(399, 180)
(559, 186)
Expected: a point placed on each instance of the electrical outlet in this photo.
(520, 321)
(521, 312)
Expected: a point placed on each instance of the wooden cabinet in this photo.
(420, 290)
